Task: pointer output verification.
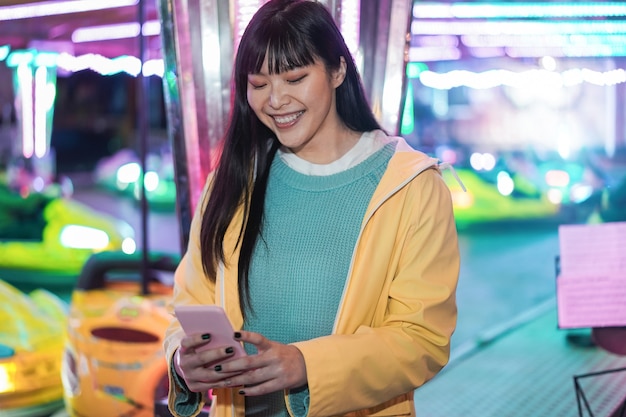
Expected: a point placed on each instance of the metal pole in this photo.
(142, 108)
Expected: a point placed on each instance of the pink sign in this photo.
(591, 286)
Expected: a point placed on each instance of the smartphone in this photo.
(210, 319)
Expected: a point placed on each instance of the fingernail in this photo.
(237, 335)
(218, 368)
(242, 392)
(229, 350)
(206, 336)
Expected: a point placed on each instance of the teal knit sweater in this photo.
(300, 263)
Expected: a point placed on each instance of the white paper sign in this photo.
(591, 286)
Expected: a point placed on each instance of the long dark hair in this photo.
(292, 33)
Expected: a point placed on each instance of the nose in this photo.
(278, 97)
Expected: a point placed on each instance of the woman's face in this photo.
(299, 107)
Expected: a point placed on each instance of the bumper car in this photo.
(49, 233)
(113, 360)
(576, 186)
(31, 346)
(120, 173)
(613, 202)
(508, 198)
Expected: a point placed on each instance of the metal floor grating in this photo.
(528, 372)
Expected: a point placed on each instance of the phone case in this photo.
(209, 319)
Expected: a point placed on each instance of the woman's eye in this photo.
(296, 80)
(257, 86)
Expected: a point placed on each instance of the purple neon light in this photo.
(117, 31)
(50, 8)
(518, 27)
(25, 85)
(533, 9)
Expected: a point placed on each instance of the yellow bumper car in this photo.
(32, 330)
(114, 363)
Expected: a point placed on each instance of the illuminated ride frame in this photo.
(199, 40)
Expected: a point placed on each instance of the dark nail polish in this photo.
(230, 350)
(206, 336)
(218, 368)
(237, 335)
(242, 392)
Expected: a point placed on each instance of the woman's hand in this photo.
(198, 367)
(275, 367)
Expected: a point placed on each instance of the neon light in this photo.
(46, 59)
(153, 67)
(533, 40)
(434, 53)
(129, 246)
(117, 31)
(4, 52)
(431, 10)
(244, 10)
(83, 237)
(18, 58)
(557, 178)
(525, 79)
(51, 8)
(438, 41)
(109, 32)
(151, 28)
(413, 69)
(351, 23)
(568, 51)
(100, 64)
(555, 196)
(505, 183)
(25, 83)
(482, 161)
(407, 123)
(41, 112)
(429, 54)
(486, 52)
(517, 27)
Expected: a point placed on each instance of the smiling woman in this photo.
(296, 105)
(289, 238)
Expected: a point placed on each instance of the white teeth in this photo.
(287, 119)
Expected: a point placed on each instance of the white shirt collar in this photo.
(367, 145)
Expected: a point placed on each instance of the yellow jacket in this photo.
(398, 310)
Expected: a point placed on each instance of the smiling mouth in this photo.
(283, 121)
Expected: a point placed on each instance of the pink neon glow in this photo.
(244, 9)
(40, 109)
(524, 80)
(50, 8)
(434, 53)
(350, 23)
(466, 10)
(517, 27)
(103, 65)
(25, 81)
(118, 31)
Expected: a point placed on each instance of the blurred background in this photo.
(525, 99)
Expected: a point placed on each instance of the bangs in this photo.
(284, 51)
(288, 52)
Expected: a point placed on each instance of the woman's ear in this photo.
(340, 73)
